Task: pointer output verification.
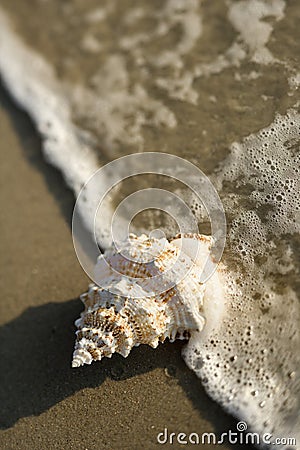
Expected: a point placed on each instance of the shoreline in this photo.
(117, 403)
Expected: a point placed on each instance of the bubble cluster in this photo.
(250, 362)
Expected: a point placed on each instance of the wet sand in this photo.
(113, 404)
(118, 403)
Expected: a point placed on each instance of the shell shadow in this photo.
(36, 350)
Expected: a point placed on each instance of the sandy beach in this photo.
(113, 404)
(216, 83)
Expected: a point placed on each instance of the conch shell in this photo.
(149, 291)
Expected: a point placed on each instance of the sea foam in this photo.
(249, 362)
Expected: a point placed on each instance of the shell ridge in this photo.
(127, 311)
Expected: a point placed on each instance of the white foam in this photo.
(247, 17)
(37, 91)
(109, 109)
(175, 12)
(249, 363)
(32, 83)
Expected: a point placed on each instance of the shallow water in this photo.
(204, 81)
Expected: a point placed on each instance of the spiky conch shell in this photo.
(124, 312)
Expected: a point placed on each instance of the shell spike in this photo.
(131, 307)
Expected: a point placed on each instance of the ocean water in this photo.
(216, 83)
